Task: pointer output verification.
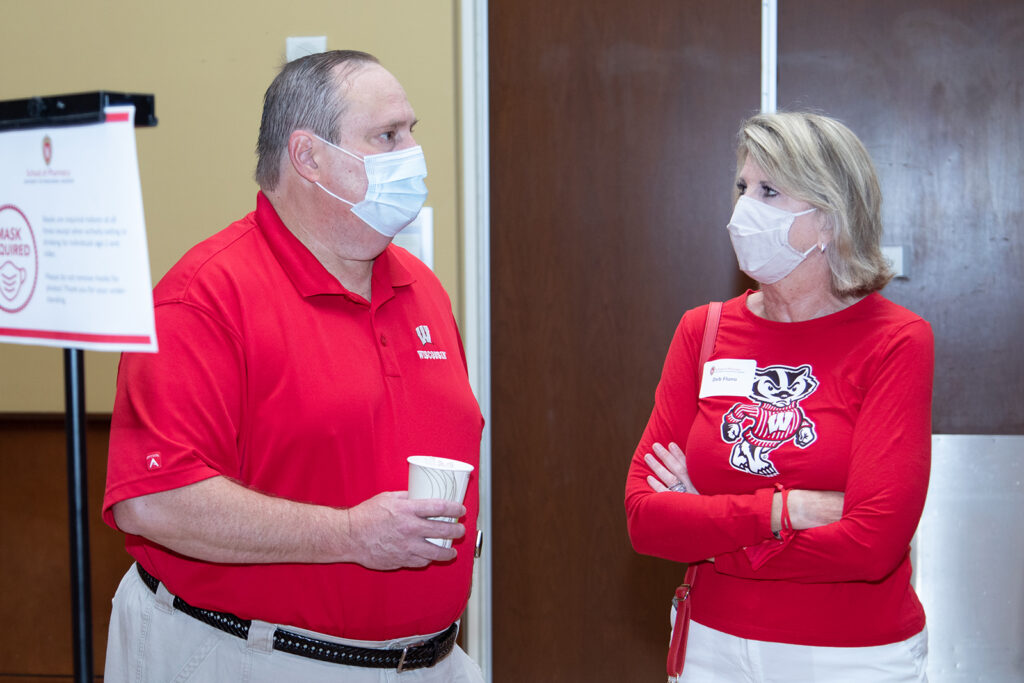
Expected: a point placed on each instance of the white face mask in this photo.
(760, 238)
(395, 191)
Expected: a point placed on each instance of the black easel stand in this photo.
(64, 110)
(81, 585)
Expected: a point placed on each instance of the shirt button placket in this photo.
(387, 356)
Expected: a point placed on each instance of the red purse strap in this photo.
(681, 628)
(710, 334)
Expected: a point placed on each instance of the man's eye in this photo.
(388, 136)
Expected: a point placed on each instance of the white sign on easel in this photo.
(74, 266)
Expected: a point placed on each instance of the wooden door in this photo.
(934, 89)
(612, 168)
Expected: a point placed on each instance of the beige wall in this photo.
(208, 62)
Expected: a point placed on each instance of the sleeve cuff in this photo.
(759, 554)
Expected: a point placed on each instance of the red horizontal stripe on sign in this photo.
(78, 336)
(119, 116)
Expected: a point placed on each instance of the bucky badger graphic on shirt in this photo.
(773, 418)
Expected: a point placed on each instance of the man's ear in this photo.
(300, 154)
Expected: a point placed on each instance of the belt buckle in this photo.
(430, 660)
(405, 651)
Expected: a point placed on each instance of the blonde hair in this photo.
(819, 160)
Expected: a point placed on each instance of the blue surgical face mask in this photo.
(395, 191)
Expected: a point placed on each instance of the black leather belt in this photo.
(422, 655)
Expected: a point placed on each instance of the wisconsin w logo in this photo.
(423, 332)
(779, 422)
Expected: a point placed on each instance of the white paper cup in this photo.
(433, 477)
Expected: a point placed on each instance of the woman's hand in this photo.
(669, 466)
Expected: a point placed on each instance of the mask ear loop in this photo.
(340, 199)
(797, 215)
(340, 149)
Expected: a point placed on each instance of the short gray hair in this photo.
(302, 96)
(819, 160)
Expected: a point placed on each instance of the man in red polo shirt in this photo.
(258, 462)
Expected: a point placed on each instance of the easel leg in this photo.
(81, 594)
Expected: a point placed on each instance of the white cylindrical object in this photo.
(433, 477)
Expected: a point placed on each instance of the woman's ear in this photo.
(301, 155)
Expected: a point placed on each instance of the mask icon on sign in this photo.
(11, 279)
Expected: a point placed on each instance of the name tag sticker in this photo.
(727, 377)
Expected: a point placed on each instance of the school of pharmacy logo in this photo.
(47, 173)
(423, 332)
(19, 259)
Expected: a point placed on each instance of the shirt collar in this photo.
(308, 274)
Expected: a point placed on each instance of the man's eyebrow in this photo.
(397, 123)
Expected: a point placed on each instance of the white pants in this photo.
(716, 657)
(151, 642)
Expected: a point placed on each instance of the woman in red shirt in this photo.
(807, 433)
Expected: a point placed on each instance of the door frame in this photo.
(476, 294)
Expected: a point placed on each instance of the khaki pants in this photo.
(151, 642)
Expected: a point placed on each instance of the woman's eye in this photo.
(742, 187)
(769, 191)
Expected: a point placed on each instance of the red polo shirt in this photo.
(272, 373)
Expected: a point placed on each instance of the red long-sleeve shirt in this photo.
(849, 400)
